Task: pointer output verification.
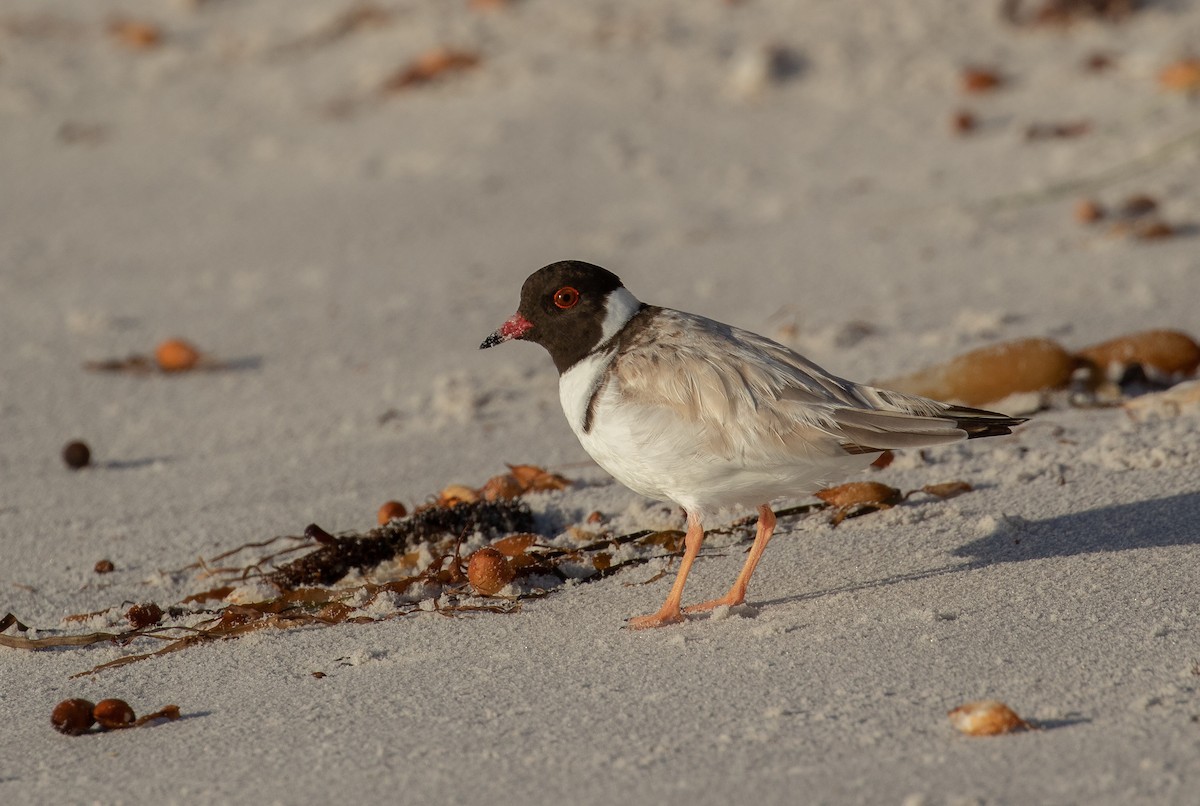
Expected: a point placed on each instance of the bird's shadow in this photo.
(1155, 523)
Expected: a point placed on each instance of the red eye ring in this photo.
(566, 297)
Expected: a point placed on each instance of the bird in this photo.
(710, 417)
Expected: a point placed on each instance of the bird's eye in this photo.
(566, 297)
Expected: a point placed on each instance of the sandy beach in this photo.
(336, 202)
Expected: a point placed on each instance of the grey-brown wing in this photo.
(718, 376)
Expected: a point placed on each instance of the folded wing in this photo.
(781, 402)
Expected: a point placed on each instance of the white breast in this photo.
(658, 454)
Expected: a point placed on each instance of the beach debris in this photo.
(1057, 131)
(104, 567)
(1138, 205)
(1152, 230)
(408, 566)
(992, 373)
(1088, 211)
(1173, 402)
(883, 460)
(1135, 217)
(135, 34)
(1181, 76)
(356, 18)
(176, 355)
(859, 492)
(1166, 354)
(536, 479)
(333, 560)
(113, 714)
(77, 454)
(73, 717)
(963, 121)
(756, 69)
(489, 570)
(172, 356)
(520, 480)
(391, 511)
(488, 5)
(9, 620)
(947, 489)
(976, 79)
(518, 550)
(502, 487)
(431, 65)
(145, 614)
(455, 494)
(1061, 13)
(986, 718)
(167, 712)
(1098, 61)
(858, 498)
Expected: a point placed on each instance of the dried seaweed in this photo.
(10, 620)
(1066, 12)
(539, 563)
(335, 559)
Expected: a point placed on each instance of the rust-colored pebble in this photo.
(1152, 230)
(986, 718)
(1181, 76)
(514, 545)
(963, 122)
(77, 454)
(489, 571)
(991, 373)
(457, 494)
(1139, 204)
(1088, 211)
(859, 492)
(113, 714)
(502, 487)
(979, 79)
(136, 34)
(72, 717)
(144, 615)
(883, 460)
(391, 510)
(1167, 352)
(176, 355)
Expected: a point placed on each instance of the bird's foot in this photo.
(728, 600)
(660, 619)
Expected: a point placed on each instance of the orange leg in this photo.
(670, 613)
(737, 594)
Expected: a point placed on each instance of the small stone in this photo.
(77, 454)
(113, 714)
(72, 717)
(176, 355)
(390, 511)
(144, 615)
(489, 571)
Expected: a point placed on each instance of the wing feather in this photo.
(714, 375)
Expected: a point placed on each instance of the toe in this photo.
(657, 620)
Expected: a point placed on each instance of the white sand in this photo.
(352, 262)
